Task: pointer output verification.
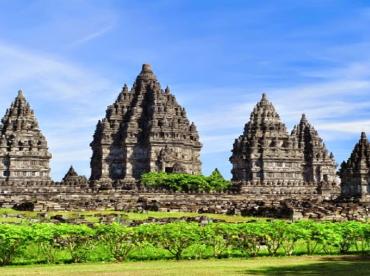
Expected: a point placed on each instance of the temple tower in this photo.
(355, 173)
(319, 165)
(24, 152)
(265, 152)
(72, 178)
(144, 130)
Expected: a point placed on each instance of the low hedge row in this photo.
(55, 243)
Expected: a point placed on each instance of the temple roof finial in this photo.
(304, 118)
(264, 97)
(146, 68)
(71, 172)
(363, 135)
(167, 90)
(20, 93)
(146, 73)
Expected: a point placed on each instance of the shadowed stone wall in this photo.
(49, 196)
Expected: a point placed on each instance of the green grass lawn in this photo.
(304, 265)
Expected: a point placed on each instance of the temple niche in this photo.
(355, 172)
(265, 154)
(144, 130)
(24, 152)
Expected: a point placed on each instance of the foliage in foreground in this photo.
(186, 182)
(56, 243)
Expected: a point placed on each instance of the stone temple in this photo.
(144, 130)
(72, 178)
(355, 173)
(267, 155)
(319, 165)
(24, 152)
(275, 174)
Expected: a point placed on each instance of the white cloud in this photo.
(92, 36)
(350, 127)
(53, 78)
(73, 95)
(329, 106)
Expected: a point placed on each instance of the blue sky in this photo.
(72, 57)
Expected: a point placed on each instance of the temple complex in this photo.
(355, 173)
(23, 149)
(144, 130)
(266, 155)
(274, 173)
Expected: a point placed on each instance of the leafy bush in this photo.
(218, 237)
(77, 239)
(174, 237)
(186, 182)
(119, 240)
(80, 243)
(13, 238)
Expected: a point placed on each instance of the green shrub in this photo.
(119, 240)
(76, 239)
(174, 237)
(13, 238)
(186, 182)
(218, 237)
(79, 243)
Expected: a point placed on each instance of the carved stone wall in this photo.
(144, 130)
(49, 197)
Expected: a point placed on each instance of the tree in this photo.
(120, 240)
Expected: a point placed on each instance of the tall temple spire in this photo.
(23, 148)
(319, 165)
(144, 130)
(264, 120)
(265, 142)
(265, 157)
(355, 172)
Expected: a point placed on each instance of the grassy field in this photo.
(304, 265)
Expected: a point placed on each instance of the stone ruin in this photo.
(24, 154)
(145, 130)
(72, 178)
(266, 159)
(355, 173)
